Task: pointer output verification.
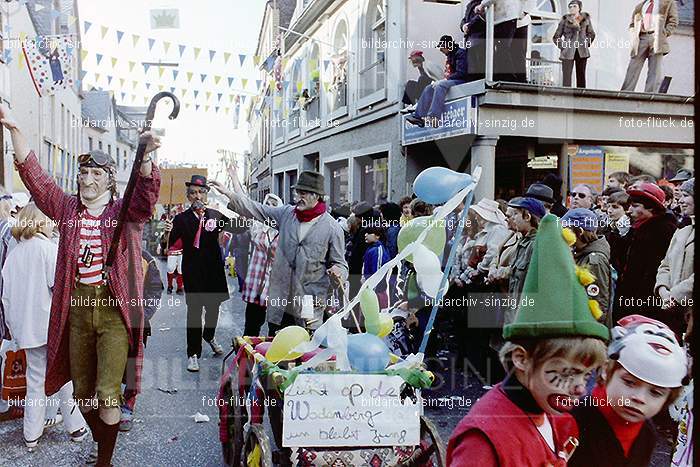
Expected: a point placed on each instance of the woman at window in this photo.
(574, 36)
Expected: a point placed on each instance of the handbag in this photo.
(14, 378)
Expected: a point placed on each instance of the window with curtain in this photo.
(373, 69)
(311, 99)
(337, 90)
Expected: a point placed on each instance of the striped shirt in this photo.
(90, 254)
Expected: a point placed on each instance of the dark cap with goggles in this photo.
(96, 159)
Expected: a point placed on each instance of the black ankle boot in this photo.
(105, 448)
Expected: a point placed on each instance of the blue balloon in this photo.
(367, 353)
(437, 185)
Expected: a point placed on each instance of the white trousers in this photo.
(174, 264)
(37, 404)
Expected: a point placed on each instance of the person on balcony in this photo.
(653, 22)
(510, 35)
(432, 100)
(574, 36)
(428, 72)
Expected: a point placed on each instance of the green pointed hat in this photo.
(553, 302)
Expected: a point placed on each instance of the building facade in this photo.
(335, 96)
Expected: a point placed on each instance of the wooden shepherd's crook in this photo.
(140, 153)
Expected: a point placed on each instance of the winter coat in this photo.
(645, 250)
(664, 22)
(618, 239)
(497, 432)
(300, 266)
(518, 270)
(676, 269)
(572, 36)
(596, 258)
(457, 64)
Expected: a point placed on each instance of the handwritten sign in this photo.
(349, 410)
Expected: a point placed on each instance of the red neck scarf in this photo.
(625, 432)
(310, 214)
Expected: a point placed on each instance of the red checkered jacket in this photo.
(125, 279)
(257, 282)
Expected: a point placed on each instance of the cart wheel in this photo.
(237, 417)
(431, 451)
(257, 451)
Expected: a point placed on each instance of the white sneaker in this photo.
(193, 364)
(49, 422)
(216, 347)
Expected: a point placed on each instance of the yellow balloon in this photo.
(435, 240)
(369, 304)
(284, 342)
(386, 325)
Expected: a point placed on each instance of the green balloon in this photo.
(434, 241)
(369, 303)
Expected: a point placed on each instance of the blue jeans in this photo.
(432, 99)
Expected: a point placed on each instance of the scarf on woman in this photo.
(310, 214)
(97, 205)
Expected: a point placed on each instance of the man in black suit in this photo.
(202, 267)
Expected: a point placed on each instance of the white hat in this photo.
(19, 200)
(648, 349)
(488, 209)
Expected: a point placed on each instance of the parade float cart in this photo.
(324, 417)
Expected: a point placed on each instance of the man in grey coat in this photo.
(310, 253)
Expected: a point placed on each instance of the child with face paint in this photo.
(644, 375)
(554, 345)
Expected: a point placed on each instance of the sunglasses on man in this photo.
(577, 194)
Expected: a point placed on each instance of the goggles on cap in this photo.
(95, 159)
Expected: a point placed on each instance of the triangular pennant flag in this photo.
(197, 50)
(230, 98)
(161, 70)
(244, 82)
(182, 50)
(183, 92)
(86, 26)
(217, 109)
(20, 63)
(114, 62)
(135, 38)
(257, 84)
(166, 46)
(121, 82)
(208, 95)
(172, 90)
(197, 106)
(99, 58)
(83, 55)
(206, 108)
(146, 67)
(256, 60)
(189, 76)
(151, 42)
(161, 87)
(325, 65)
(71, 20)
(299, 86)
(203, 77)
(109, 80)
(230, 81)
(131, 66)
(120, 34)
(148, 86)
(83, 73)
(227, 57)
(134, 84)
(175, 73)
(97, 77)
(123, 96)
(220, 95)
(241, 58)
(217, 79)
(145, 100)
(212, 53)
(104, 30)
(196, 93)
(133, 97)
(187, 106)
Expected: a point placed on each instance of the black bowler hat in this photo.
(310, 181)
(198, 180)
(446, 42)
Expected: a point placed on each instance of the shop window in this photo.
(372, 74)
(374, 180)
(339, 179)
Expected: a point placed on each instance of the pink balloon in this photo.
(262, 347)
